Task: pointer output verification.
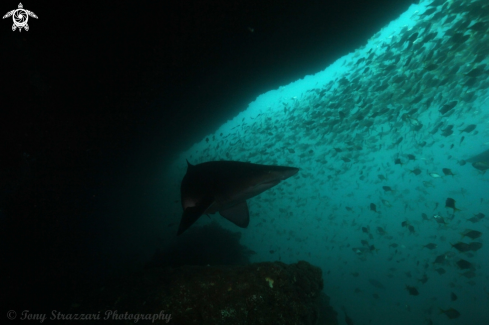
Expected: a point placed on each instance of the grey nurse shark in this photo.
(224, 187)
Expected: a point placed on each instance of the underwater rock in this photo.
(261, 293)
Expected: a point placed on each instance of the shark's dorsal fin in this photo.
(189, 165)
(237, 214)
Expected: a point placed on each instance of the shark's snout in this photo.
(291, 171)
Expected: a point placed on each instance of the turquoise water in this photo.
(406, 111)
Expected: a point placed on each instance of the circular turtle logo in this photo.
(20, 17)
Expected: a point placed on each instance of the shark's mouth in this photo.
(269, 183)
(247, 193)
(260, 187)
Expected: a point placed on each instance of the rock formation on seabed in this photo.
(261, 293)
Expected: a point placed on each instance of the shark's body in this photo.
(224, 187)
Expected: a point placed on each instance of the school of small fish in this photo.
(387, 201)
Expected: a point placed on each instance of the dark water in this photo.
(99, 101)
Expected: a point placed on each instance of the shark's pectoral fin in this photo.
(191, 214)
(237, 214)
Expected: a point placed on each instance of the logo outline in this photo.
(20, 16)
